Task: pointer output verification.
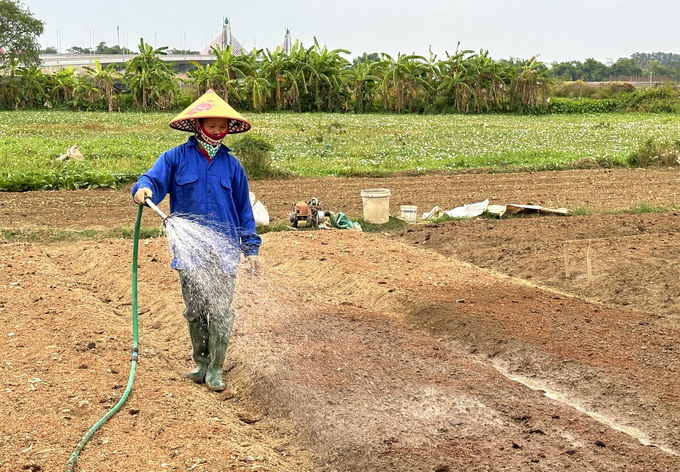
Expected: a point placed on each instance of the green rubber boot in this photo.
(198, 332)
(213, 375)
(217, 345)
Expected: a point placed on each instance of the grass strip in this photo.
(56, 235)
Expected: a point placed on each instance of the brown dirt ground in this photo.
(357, 351)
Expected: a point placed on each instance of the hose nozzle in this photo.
(151, 205)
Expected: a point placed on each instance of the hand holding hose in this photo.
(254, 266)
(142, 194)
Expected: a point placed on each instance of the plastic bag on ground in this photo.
(260, 212)
(436, 212)
(341, 221)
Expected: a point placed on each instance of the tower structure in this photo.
(287, 43)
(226, 34)
(224, 39)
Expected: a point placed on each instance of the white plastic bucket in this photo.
(376, 203)
(408, 213)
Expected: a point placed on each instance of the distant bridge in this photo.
(58, 61)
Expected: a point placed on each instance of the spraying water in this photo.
(207, 259)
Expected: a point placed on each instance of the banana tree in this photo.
(296, 75)
(228, 68)
(361, 82)
(325, 77)
(259, 90)
(256, 86)
(273, 67)
(489, 82)
(83, 91)
(530, 82)
(9, 88)
(432, 77)
(32, 85)
(456, 78)
(152, 81)
(61, 84)
(103, 79)
(204, 77)
(402, 77)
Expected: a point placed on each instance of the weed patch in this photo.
(651, 153)
(643, 208)
(394, 224)
(253, 152)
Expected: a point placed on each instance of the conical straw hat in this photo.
(209, 105)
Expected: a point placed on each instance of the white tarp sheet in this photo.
(469, 211)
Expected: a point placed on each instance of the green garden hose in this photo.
(133, 367)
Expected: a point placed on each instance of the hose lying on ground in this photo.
(133, 367)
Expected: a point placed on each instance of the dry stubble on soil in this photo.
(356, 351)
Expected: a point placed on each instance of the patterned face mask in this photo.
(209, 138)
(210, 149)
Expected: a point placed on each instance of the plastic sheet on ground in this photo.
(500, 210)
(469, 211)
(475, 209)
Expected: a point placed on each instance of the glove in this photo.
(142, 194)
(254, 266)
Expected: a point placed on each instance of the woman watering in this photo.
(206, 182)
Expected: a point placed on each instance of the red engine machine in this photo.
(307, 214)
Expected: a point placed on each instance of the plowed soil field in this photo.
(536, 343)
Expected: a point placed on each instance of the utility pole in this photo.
(58, 30)
(92, 45)
(154, 38)
(183, 33)
(118, 35)
(89, 39)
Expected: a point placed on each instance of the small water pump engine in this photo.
(307, 214)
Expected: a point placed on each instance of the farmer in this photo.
(205, 180)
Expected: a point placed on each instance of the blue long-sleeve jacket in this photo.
(217, 191)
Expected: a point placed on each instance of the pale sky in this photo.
(558, 30)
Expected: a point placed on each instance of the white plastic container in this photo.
(376, 203)
(409, 213)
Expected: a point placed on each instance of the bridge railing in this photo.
(87, 59)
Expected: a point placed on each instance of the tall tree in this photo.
(19, 32)
(594, 71)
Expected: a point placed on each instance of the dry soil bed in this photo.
(355, 351)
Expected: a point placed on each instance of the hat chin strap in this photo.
(209, 138)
